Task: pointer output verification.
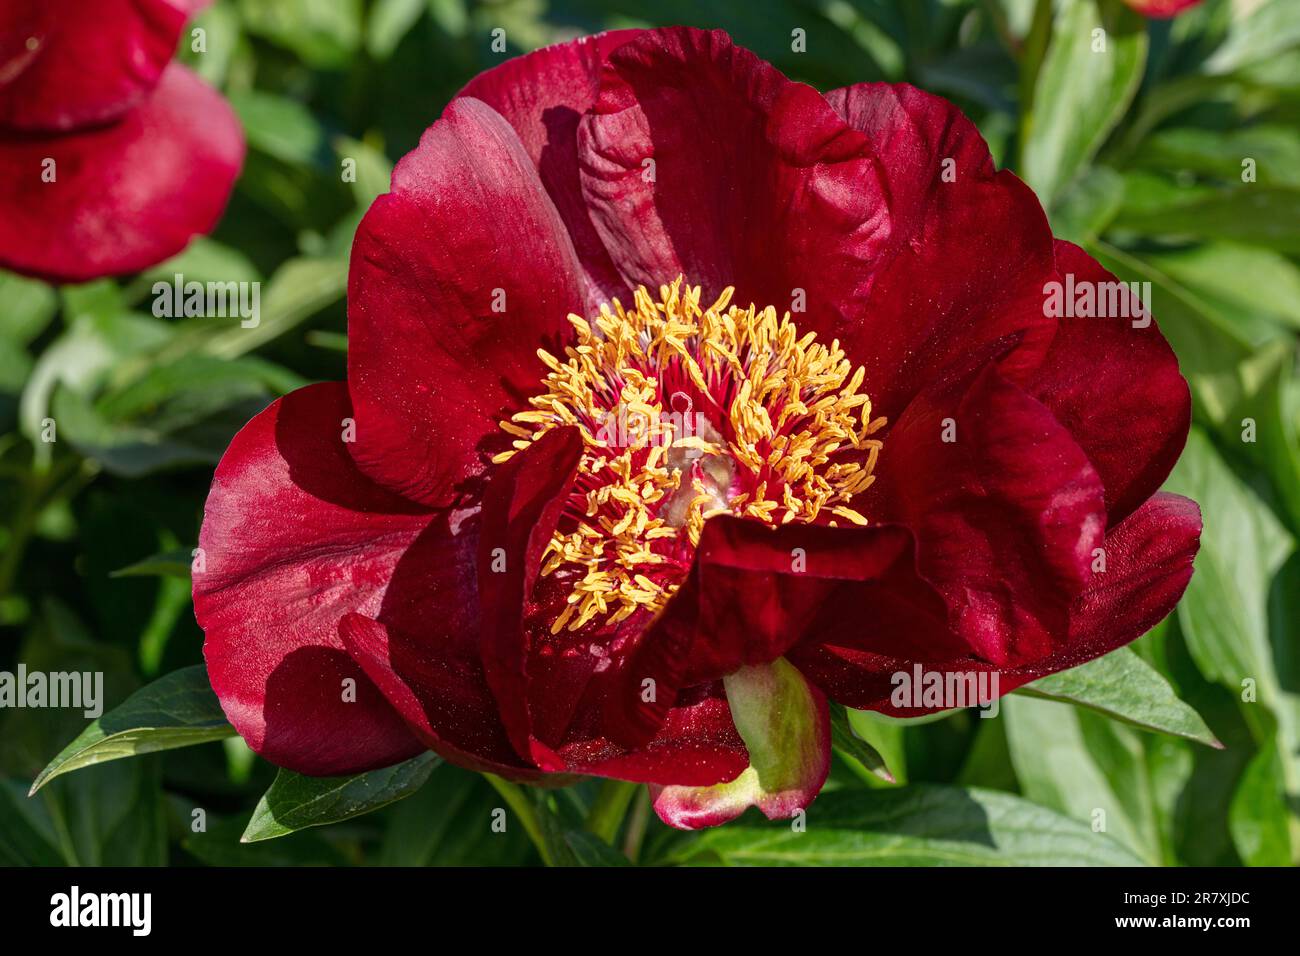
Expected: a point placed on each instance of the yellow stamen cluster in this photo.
(680, 408)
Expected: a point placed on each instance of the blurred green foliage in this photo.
(1174, 158)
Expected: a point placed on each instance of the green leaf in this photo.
(1258, 215)
(279, 126)
(590, 850)
(1087, 206)
(1239, 612)
(448, 822)
(1269, 29)
(374, 171)
(296, 802)
(1243, 282)
(177, 710)
(175, 563)
(1123, 686)
(27, 308)
(1257, 816)
(219, 845)
(389, 21)
(1081, 93)
(916, 825)
(1089, 768)
(1213, 354)
(27, 836)
(1224, 614)
(846, 738)
(324, 35)
(299, 289)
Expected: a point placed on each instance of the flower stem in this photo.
(607, 810)
(523, 807)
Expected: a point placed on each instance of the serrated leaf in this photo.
(1123, 686)
(177, 710)
(920, 825)
(296, 802)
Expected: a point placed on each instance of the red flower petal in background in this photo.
(66, 63)
(294, 538)
(457, 277)
(123, 196)
(1161, 9)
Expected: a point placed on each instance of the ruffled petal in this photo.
(700, 159)
(521, 508)
(435, 681)
(1149, 559)
(119, 198)
(1116, 387)
(66, 64)
(967, 257)
(458, 276)
(294, 538)
(543, 95)
(696, 744)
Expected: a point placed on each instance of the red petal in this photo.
(543, 95)
(521, 508)
(756, 181)
(66, 63)
(1161, 9)
(966, 259)
(435, 681)
(1118, 390)
(125, 196)
(431, 366)
(293, 538)
(1006, 516)
(1148, 564)
(696, 745)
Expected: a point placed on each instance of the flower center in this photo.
(686, 413)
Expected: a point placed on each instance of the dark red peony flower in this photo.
(115, 157)
(649, 539)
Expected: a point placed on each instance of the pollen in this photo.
(687, 412)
